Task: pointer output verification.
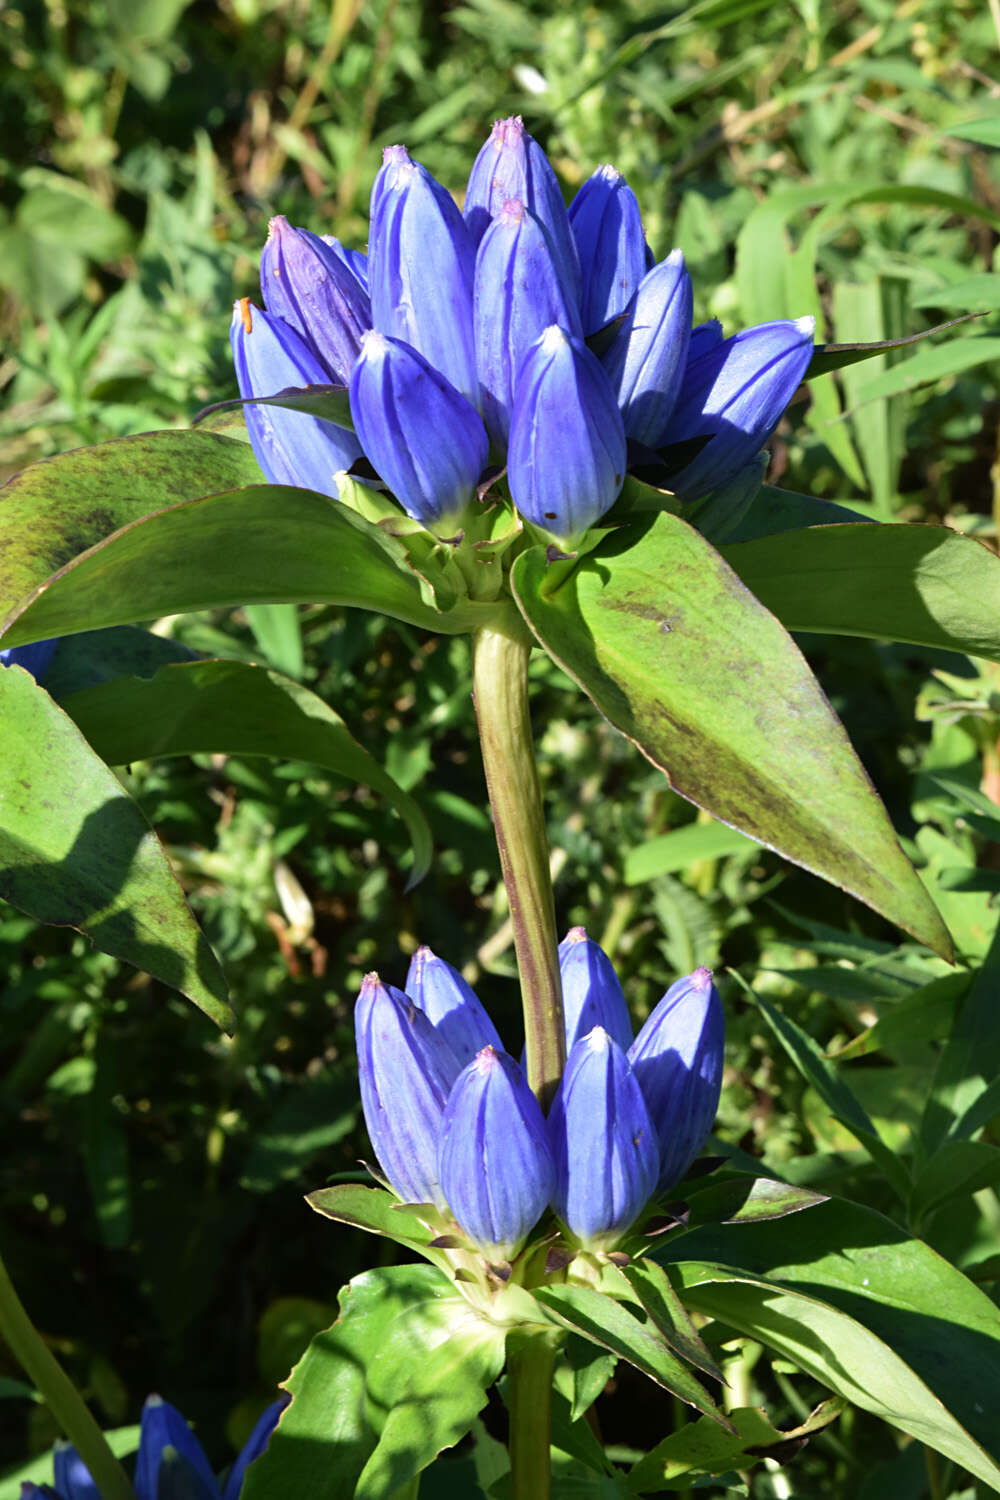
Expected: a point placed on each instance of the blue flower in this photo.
(167, 1446)
(290, 446)
(606, 1149)
(567, 454)
(426, 440)
(495, 302)
(677, 1058)
(451, 1006)
(497, 1171)
(592, 994)
(34, 658)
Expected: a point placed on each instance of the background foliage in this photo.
(151, 1188)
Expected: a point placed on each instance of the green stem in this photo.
(500, 655)
(530, 1365)
(60, 1395)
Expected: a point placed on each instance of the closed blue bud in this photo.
(606, 1152)
(421, 262)
(426, 441)
(496, 1166)
(592, 994)
(677, 1058)
(451, 1006)
(290, 446)
(513, 165)
(405, 1070)
(34, 658)
(703, 338)
(734, 393)
(566, 456)
(518, 294)
(70, 1475)
(163, 1427)
(311, 289)
(614, 255)
(254, 1446)
(645, 364)
(356, 261)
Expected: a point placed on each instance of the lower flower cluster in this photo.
(170, 1462)
(453, 1121)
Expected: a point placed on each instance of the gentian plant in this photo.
(501, 423)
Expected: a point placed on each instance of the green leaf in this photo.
(746, 1200)
(260, 545)
(842, 1103)
(235, 709)
(926, 1015)
(653, 1291)
(827, 357)
(329, 403)
(372, 1209)
(97, 656)
(683, 847)
(278, 633)
(923, 584)
(684, 660)
(878, 1317)
(783, 510)
(401, 1375)
(985, 132)
(702, 1447)
(929, 365)
(59, 507)
(956, 1169)
(75, 851)
(980, 293)
(598, 1317)
(966, 1079)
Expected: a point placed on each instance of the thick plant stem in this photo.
(530, 1366)
(60, 1395)
(500, 685)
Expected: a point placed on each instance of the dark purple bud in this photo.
(164, 1427)
(290, 446)
(606, 1152)
(34, 658)
(426, 440)
(405, 1071)
(451, 1006)
(496, 1164)
(518, 294)
(311, 289)
(677, 1058)
(513, 165)
(566, 456)
(607, 228)
(735, 393)
(645, 363)
(421, 263)
(592, 995)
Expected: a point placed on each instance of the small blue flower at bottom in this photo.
(166, 1446)
(34, 658)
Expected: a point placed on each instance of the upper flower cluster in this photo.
(170, 1461)
(465, 332)
(454, 1123)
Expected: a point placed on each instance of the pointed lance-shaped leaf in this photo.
(290, 446)
(592, 994)
(646, 362)
(164, 1427)
(497, 1172)
(513, 165)
(735, 393)
(405, 1072)
(518, 294)
(605, 1146)
(421, 263)
(424, 438)
(567, 453)
(614, 256)
(451, 1006)
(677, 1058)
(312, 290)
